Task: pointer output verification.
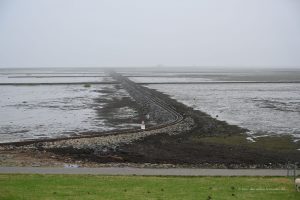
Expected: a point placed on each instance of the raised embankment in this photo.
(157, 109)
(168, 121)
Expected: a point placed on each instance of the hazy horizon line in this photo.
(162, 66)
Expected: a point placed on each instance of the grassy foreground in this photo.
(32, 187)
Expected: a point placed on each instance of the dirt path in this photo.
(147, 171)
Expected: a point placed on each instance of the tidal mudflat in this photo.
(263, 108)
(54, 111)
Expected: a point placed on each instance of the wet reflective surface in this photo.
(264, 108)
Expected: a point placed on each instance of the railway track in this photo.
(145, 92)
(176, 117)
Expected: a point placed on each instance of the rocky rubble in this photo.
(112, 141)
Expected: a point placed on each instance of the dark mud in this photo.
(183, 149)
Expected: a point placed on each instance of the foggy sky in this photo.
(91, 33)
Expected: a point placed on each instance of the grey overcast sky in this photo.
(91, 33)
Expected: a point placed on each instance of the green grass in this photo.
(140, 187)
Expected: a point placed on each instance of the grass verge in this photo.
(15, 186)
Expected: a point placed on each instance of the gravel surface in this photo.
(146, 171)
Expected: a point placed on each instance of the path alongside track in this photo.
(146, 171)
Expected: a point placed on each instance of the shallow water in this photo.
(57, 78)
(166, 79)
(47, 111)
(29, 112)
(242, 75)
